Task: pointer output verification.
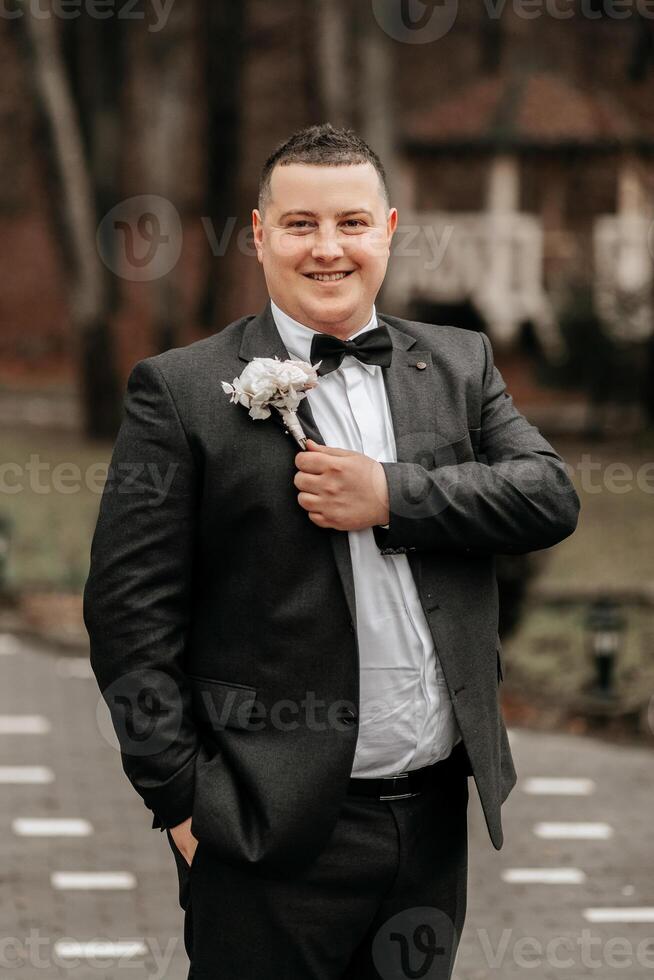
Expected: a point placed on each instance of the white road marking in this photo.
(544, 876)
(67, 949)
(47, 827)
(26, 774)
(558, 786)
(8, 645)
(576, 831)
(24, 725)
(65, 880)
(642, 914)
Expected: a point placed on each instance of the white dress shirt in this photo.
(406, 719)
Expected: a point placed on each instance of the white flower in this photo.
(268, 381)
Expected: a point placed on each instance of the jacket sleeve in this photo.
(515, 497)
(136, 598)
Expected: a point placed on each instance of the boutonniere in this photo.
(269, 383)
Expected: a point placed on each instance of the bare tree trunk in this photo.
(224, 26)
(333, 62)
(166, 64)
(376, 92)
(376, 107)
(95, 352)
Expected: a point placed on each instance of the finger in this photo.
(311, 462)
(318, 519)
(331, 450)
(309, 501)
(307, 481)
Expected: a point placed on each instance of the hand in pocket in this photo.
(184, 840)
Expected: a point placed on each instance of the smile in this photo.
(328, 276)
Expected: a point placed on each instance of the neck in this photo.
(343, 329)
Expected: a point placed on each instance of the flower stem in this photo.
(293, 426)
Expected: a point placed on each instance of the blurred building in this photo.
(523, 165)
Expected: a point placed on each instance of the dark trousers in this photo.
(386, 897)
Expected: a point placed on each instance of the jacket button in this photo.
(421, 365)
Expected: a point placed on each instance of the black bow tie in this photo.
(371, 347)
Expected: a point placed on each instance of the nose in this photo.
(326, 245)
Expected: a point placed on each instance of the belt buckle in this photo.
(397, 796)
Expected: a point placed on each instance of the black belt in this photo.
(405, 784)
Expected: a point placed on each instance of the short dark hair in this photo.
(320, 146)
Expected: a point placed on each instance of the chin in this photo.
(332, 312)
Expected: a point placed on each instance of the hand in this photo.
(184, 840)
(341, 489)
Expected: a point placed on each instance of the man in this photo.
(299, 648)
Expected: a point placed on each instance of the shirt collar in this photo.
(297, 338)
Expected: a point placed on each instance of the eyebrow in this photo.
(339, 214)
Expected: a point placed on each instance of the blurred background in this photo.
(519, 140)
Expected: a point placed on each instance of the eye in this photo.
(355, 223)
(300, 223)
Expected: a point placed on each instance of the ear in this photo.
(257, 229)
(391, 223)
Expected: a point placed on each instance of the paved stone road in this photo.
(48, 705)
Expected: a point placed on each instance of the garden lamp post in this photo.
(5, 542)
(605, 627)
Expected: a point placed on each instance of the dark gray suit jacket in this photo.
(222, 620)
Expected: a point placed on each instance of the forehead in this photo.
(322, 189)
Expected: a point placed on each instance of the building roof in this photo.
(540, 110)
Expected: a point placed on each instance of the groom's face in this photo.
(323, 241)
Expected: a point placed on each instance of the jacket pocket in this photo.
(219, 704)
(458, 451)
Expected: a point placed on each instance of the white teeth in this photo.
(325, 277)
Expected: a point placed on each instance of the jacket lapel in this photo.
(411, 395)
(261, 338)
(411, 390)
